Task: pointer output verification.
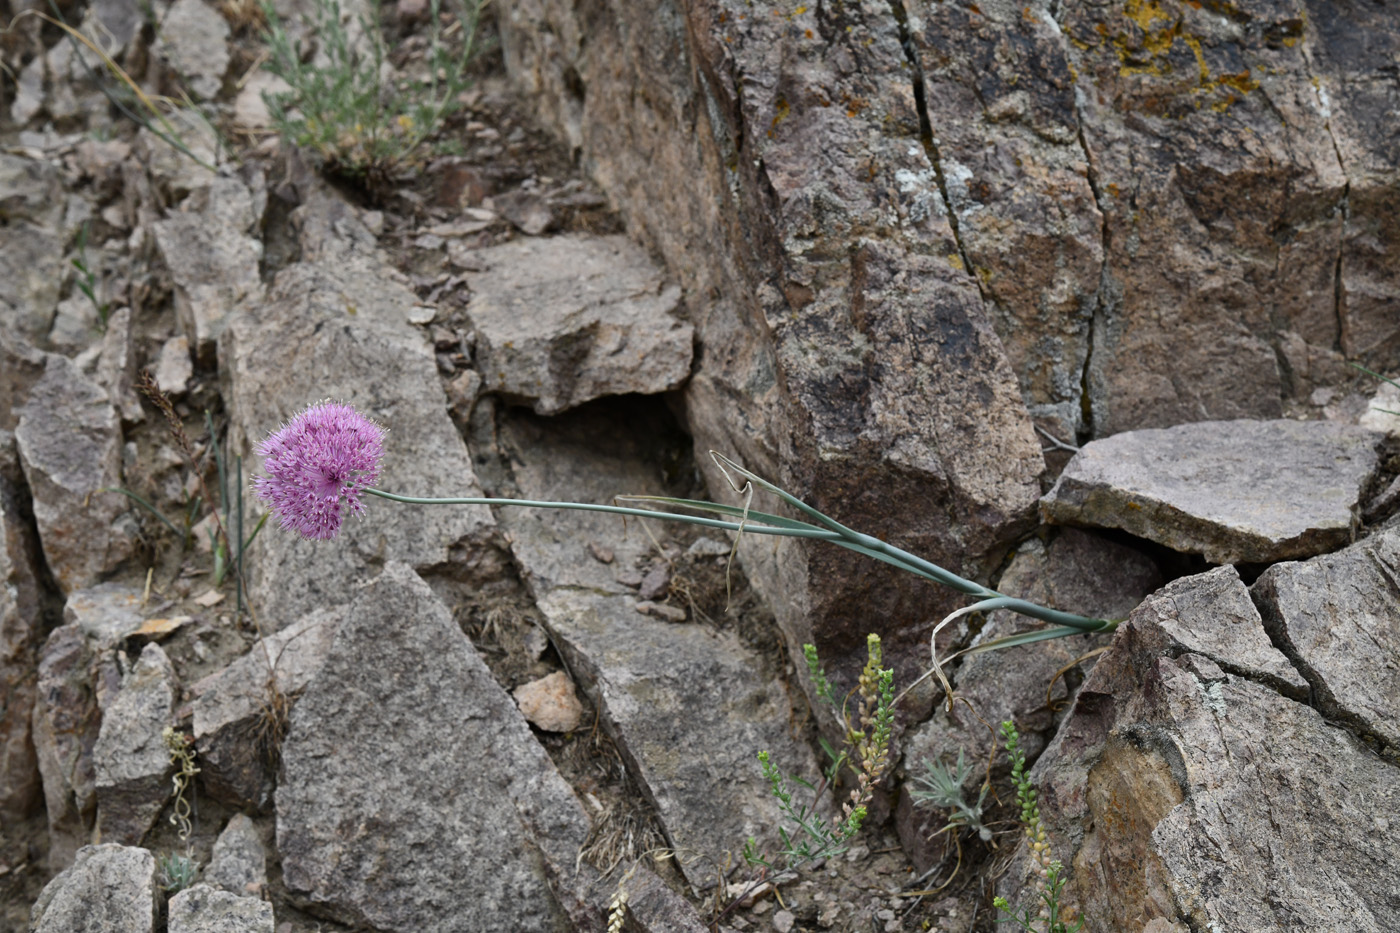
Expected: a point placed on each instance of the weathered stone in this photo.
(23, 366)
(779, 171)
(204, 909)
(550, 703)
(174, 369)
(1000, 100)
(120, 21)
(568, 319)
(334, 327)
(21, 635)
(213, 256)
(417, 799)
(130, 760)
(78, 677)
(31, 271)
(250, 107)
(108, 887)
(239, 862)
(1256, 491)
(70, 444)
(1176, 791)
(1338, 618)
(1077, 572)
(193, 38)
(116, 369)
(651, 680)
(236, 715)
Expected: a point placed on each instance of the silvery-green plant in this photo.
(941, 787)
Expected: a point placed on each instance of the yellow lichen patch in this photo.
(956, 262)
(781, 113)
(1145, 13)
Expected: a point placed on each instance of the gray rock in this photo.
(116, 369)
(1212, 616)
(203, 909)
(336, 328)
(239, 862)
(1077, 572)
(174, 369)
(193, 39)
(120, 20)
(417, 799)
(29, 92)
(130, 760)
(24, 366)
(21, 636)
(70, 444)
(78, 676)
(848, 355)
(653, 681)
(31, 271)
(235, 719)
(1181, 793)
(564, 320)
(171, 174)
(1255, 491)
(1338, 618)
(107, 888)
(213, 256)
(105, 613)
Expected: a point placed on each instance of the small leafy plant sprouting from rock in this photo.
(87, 282)
(941, 787)
(177, 872)
(1051, 885)
(866, 749)
(341, 108)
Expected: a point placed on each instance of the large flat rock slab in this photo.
(1235, 491)
(1339, 617)
(336, 326)
(689, 707)
(1181, 793)
(413, 795)
(564, 320)
(130, 760)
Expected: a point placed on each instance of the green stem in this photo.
(747, 527)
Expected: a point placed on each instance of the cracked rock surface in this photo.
(1179, 793)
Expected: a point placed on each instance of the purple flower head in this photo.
(324, 453)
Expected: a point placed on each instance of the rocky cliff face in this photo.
(894, 216)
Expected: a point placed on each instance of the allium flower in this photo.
(326, 452)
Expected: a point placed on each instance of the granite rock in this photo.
(232, 708)
(70, 445)
(108, 887)
(213, 253)
(205, 909)
(780, 173)
(1180, 793)
(130, 760)
(1251, 491)
(1337, 617)
(567, 319)
(688, 706)
(334, 326)
(21, 636)
(193, 39)
(417, 799)
(239, 861)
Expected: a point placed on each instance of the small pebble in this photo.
(601, 554)
(783, 921)
(656, 582)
